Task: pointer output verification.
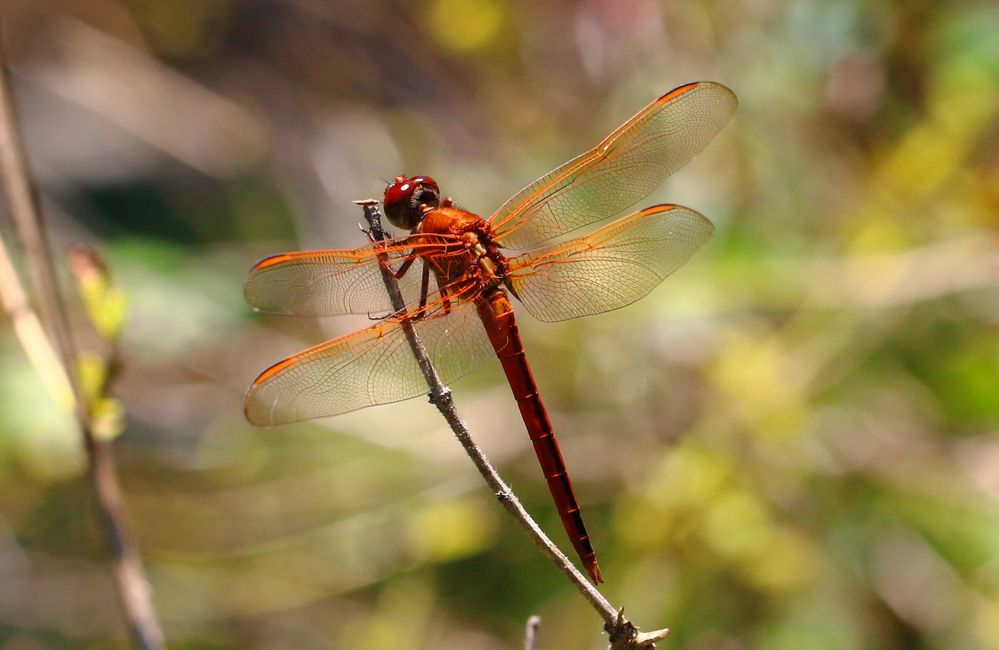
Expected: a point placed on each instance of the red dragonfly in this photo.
(465, 313)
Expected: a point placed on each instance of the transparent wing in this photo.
(624, 168)
(611, 267)
(334, 282)
(372, 366)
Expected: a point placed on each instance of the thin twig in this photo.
(625, 636)
(619, 628)
(130, 580)
(531, 633)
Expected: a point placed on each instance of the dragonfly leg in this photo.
(424, 286)
(424, 290)
(442, 285)
(445, 300)
(398, 274)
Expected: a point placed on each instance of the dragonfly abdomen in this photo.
(497, 316)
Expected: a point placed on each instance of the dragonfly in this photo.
(458, 272)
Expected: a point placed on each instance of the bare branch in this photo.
(132, 587)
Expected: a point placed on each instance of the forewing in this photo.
(334, 282)
(624, 168)
(610, 268)
(372, 366)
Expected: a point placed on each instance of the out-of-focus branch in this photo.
(31, 334)
(886, 280)
(139, 94)
(623, 634)
(531, 633)
(132, 587)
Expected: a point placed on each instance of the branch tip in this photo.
(531, 633)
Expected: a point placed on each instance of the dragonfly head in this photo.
(406, 200)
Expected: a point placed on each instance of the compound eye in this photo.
(405, 197)
(428, 196)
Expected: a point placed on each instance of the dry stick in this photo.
(620, 629)
(130, 580)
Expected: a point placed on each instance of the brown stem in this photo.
(132, 587)
(620, 629)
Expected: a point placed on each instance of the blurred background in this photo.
(793, 443)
